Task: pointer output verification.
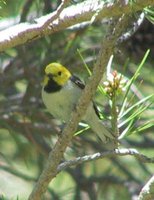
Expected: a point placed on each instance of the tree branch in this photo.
(99, 155)
(147, 191)
(135, 26)
(55, 156)
(62, 19)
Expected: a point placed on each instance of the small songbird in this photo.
(61, 92)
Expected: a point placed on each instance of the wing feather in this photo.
(81, 85)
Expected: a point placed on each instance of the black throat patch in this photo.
(52, 86)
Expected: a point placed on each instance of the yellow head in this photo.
(57, 72)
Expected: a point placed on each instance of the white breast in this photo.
(60, 104)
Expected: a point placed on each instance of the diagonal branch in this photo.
(147, 192)
(65, 18)
(56, 155)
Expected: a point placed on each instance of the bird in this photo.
(60, 93)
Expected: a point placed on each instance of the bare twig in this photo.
(55, 14)
(56, 155)
(135, 26)
(25, 10)
(62, 19)
(96, 156)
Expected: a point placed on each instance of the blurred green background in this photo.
(27, 131)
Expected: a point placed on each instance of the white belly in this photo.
(61, 104)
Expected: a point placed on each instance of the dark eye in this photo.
(59, 73)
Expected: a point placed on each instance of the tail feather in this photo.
(106, 137)
(100, 130)
(96, 125)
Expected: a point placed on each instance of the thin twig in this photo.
(25, 10)
(135, 26)
(55, 14)
(99, 155)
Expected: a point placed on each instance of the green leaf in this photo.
(126, 130)
(149, 14)
(136, 113)
(131, 81)
(135, 105)
(82, 130)
(85, 65)
(143, 127)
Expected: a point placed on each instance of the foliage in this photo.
(149, 13)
